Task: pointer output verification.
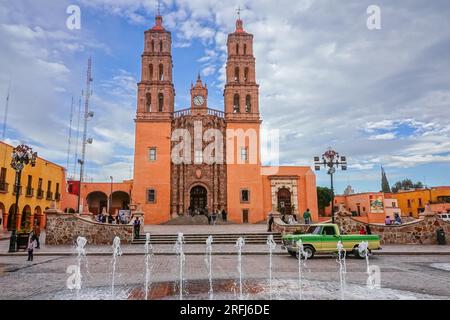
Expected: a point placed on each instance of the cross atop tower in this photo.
(159, 7)
(239, 12)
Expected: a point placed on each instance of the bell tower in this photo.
(156, 93)
(241, 90)
(241, 96)
(155, 106)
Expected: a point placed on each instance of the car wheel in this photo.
(309, 252)
(292, 253)
(358, 255)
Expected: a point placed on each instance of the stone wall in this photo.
(421, 231)
(63, 229)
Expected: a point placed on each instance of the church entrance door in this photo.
(199, 197)
(284, 201)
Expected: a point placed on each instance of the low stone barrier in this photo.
(64, 229)
(421, 231)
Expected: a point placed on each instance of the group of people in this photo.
(291, 219)
(397, 220)
(120, 218)
(212, 216)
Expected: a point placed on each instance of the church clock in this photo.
(199, 101)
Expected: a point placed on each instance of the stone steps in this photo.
(225, 238)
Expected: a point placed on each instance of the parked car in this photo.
(323, 238)
(444, 216)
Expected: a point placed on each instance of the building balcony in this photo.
(4, 187)
(58, 196)
(17, 189)
(29, 192)
(40, 194)
(49, 196)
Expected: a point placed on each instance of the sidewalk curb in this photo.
(226, 253)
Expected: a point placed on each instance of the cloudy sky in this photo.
(380, 97)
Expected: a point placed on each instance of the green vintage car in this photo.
(323, 238)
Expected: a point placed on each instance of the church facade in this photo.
(200, 159)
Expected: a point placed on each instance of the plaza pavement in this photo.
(196, 249)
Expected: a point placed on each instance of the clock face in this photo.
(199, 100)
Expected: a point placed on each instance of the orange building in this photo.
(369, 207)
(201, 159)
(413, 202)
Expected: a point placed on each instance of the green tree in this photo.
(406, 184)
(384, 182)
(323, 197)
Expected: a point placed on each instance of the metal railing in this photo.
(17, 189)
(49, 195)
(40, 194)
(57, 196)
(29, 192)
(4, 186)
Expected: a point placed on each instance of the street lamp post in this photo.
(331, 160)
(21, 156)
(111, 196)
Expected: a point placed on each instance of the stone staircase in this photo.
(219, 238)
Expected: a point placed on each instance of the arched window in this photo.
(246, 74)
(150, 72)
(236, 74)
(245, 49)
(148, 102)
(248, 104)
(237, 48)
(153, 46)
(161, 72)
(160, 102)
(236, 104)
(161, 46)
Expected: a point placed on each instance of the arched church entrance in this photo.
(284, 201)
(199, 200)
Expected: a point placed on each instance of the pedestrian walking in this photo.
(270, 222)
(224, 215)
(137, 227)
(307, 216)
(30, 247)
(37, 234)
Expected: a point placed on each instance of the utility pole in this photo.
(87, 114)
(5, 119)
(70, 136)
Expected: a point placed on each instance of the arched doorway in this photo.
(11, 217)
(25, 221)
(38, 216)
(96, 201)
(284, 201)
(120, 201)
(199, 199)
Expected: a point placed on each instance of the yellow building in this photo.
(412, 203)
(40, 185)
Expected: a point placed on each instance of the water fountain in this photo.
(116, 252)
(342, 267)
(81, 255)
(208, 261)
(148, 259)
(181, 258)
(302, 257)
(240, 242)
(271, 244)
(363, 249)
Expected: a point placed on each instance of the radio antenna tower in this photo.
(87, 114)
(5, 119)
(70, 136)
(77, 141)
